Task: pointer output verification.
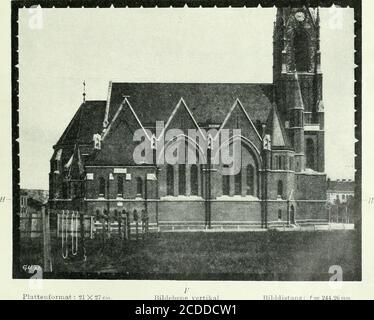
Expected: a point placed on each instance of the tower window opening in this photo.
(301, 51)
(280, 188)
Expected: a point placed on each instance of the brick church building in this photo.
(282, 177)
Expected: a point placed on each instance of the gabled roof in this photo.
(125, 107)
(87, 121)
(207, 102)
(275, 128)
(180, 107)
(238, 104)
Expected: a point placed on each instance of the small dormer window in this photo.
(97, 141)
(56, 162)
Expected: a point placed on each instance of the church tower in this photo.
(297, 81)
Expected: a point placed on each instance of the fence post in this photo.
(58, 225)
(92, 223)
(119, 221)
(102, 221)
(46, 241)
(137, 231)
(136, 218)
(82, 233)
(109, 224)
(128, 230)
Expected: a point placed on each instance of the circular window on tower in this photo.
(300, 16)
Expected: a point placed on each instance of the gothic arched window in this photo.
(310, 153)
(120, 186)
(182, 179)
(292, 215)
(101, 186)
(65, 190)
(226, 185)
(275, 164)
(170, 180)
(194, 180)
(301, 47)
(238, 183)
(280, 188)
(139, 186)
(250, 180)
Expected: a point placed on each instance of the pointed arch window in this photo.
(238, 183)
(139, 186)
(169, 180)
(280, 214)
(101, 187)
(226, 185)
(120, 186)
(250, 180)
(182, 179)
(310, 153)
(194, 180)
(280, 188)
(291, 164)
(301, 51)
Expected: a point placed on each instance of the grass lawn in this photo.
(268, 255)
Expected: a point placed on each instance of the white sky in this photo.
(164, 45)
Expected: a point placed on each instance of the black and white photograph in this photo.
(191, 143)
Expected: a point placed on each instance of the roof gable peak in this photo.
(238, 104)
(275, 128)
(180, 103)
(125, 103)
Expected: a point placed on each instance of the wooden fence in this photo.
(72, 228)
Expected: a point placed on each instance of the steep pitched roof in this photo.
(275, 128)
(239, 105)
(208, 102)
(117, 144)
(87, 121)
(298, 101)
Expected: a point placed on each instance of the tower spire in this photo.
(84, 91)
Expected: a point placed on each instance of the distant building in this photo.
(340, 200)
(31, 203)
(339, 191)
